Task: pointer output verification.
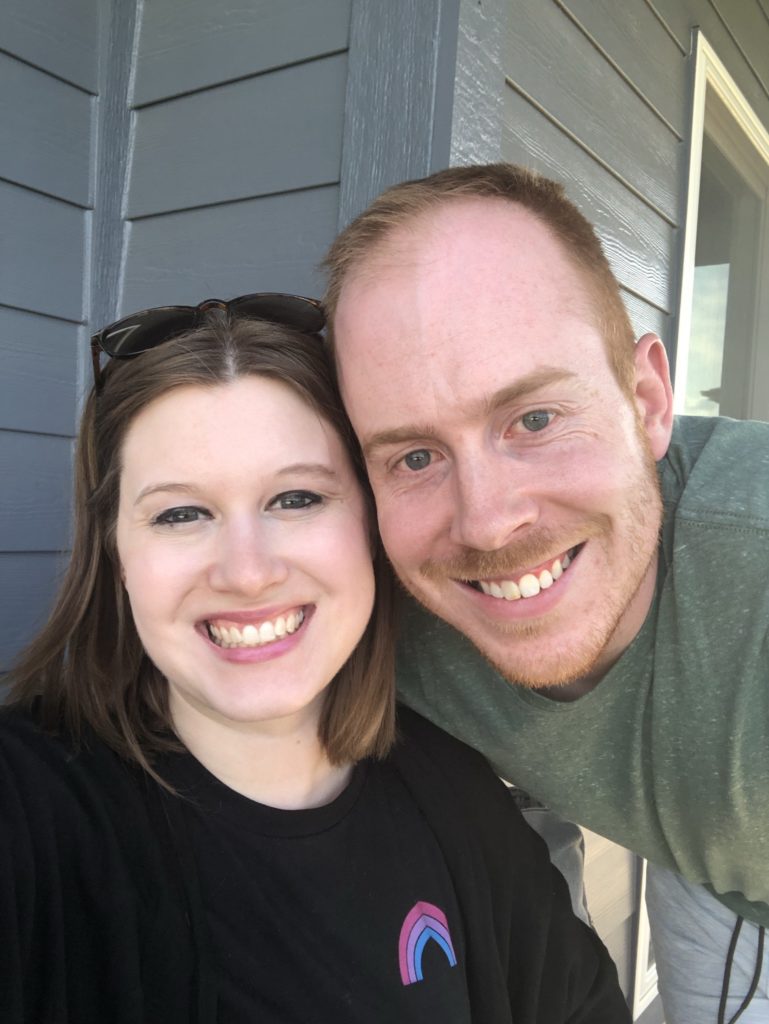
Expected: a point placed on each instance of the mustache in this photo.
(514, 558)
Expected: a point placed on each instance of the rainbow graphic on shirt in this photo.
(423, 923)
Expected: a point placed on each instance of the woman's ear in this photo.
(654, 392)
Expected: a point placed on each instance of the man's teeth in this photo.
(528, 585)
(256, 636)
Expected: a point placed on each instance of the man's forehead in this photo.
(466, 243)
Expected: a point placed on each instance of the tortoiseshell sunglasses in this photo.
(145, 330)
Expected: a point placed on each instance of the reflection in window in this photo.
(723, 335)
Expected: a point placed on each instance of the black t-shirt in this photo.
(341, 914)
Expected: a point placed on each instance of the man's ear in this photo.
(654, 392)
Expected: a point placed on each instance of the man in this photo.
(610, 566)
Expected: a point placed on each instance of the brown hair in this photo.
(402, 204)
(87, 667)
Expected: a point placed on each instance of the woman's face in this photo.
(243, 539)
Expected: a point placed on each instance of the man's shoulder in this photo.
(717, 470)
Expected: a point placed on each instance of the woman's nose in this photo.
(248, 559)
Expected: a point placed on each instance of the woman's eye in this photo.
(183, 514)
(536, 420)
(295, 500)
(419, 459)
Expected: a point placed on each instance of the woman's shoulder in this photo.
(40, 766)
(425, 751)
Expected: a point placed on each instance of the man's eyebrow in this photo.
(534, 381)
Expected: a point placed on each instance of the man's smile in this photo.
(530, 582)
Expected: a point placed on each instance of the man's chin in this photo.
(562, 678)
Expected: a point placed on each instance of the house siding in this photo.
(48, 73)
(237, 117)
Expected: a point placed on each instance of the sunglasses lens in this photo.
(145, 330)
(289, 310)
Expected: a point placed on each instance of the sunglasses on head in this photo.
(145, 330)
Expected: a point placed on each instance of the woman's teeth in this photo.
(529, 585)
(255, 636)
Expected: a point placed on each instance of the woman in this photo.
(205, 813)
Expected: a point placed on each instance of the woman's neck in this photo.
(280, 763)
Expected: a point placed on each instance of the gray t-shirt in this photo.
(669, 754)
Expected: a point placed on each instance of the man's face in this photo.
(515, 483)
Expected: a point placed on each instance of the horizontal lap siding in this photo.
(237, 142)
(196, 44)
(738, 30)
(48, 77)
(583, 104)
(276, 132)
(549, 58)
(272, 243)
(29, 581)
(51, 132)
(36, 473)
(637, 240)
(38, 389)
(58, 36)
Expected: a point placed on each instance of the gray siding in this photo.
(598, 95)
(47, 83)
(582, 104)
(235, 167)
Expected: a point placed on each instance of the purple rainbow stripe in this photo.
(423, 922)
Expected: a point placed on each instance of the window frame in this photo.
(710, 72)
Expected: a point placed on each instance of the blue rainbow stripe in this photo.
(423, 923)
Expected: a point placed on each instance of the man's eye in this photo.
(295, 500)
(536, 420)
(183, 514)
(419, 459)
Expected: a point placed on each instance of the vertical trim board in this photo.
(476, 132)
(111, 157)
(400, 87)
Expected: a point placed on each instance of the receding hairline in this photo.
(395, 244)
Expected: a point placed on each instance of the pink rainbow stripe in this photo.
(423, 922)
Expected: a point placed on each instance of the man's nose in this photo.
(493, 499)
(249, 558)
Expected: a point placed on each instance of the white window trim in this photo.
(709, 70)
(645, 974)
